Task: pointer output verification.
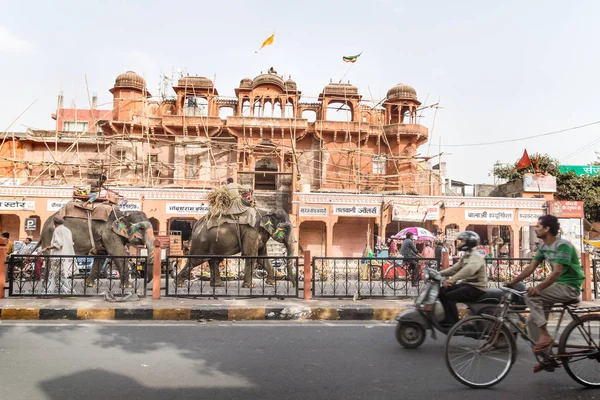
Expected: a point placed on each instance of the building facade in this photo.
(347, 171)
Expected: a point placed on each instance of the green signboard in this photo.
(581, 169)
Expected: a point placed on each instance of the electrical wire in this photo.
(520, 139)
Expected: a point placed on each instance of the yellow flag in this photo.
(267, 42)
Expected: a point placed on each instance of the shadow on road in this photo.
(102, 384)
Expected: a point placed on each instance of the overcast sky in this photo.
(501, 70)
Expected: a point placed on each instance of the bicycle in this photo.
(490, 336)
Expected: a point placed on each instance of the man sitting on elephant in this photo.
(233, 191)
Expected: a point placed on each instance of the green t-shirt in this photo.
(563, 252)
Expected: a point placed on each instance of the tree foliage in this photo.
(568, 186)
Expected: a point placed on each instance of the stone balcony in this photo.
(179, 120)
(265, 122)
(406, 129)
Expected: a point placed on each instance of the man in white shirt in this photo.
(61, 245)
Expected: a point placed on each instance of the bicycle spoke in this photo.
(478, 351)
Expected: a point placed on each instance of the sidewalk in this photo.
(200, 309)
(205, 309)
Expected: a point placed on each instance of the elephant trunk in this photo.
(149, 243)
(290, 247)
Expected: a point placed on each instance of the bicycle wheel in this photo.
(395, 278)
(479, 352)
(580, 351)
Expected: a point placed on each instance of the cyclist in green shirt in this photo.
(561, 286)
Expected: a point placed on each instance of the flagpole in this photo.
(348, 70)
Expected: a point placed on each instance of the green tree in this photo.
(568, 186)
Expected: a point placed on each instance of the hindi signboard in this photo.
(306, 211)
(187, 208)
(529, 215)
(566, 209)
(539, 183)
(490, 215)
(411, 213)
(17, 205)
(580, 170)
(356, 211)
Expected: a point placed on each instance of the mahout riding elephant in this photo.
(223, 240)
(135, 229)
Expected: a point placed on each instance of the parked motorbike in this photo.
(428, 311)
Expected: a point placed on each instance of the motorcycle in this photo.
(428, 311)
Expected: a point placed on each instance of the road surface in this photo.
(242, 360)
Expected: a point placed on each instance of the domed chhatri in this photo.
(195, 82)
(268, 79)
(291, 85)
(130, 79)
(402, 92)
(246, 83)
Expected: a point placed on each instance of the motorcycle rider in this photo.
(470, 271)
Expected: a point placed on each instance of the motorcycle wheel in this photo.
(410, 335)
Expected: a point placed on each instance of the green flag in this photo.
(351, 59)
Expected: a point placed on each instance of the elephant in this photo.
(134, 222)
(223, 240)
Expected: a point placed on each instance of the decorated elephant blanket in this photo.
(79, 209)
(248, 217)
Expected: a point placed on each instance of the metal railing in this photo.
(75, 276)
(502, 270)
(595, 276)
(190, 276)
(339, 277)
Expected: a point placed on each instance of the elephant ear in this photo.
(278, 231)
(131, 232)
(268, 223)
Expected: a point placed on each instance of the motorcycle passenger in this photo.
(470, 271)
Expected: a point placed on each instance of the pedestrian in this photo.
(410, 253)
(561, 286)
(10, 246)
(62, 247)
(393, 248)
(28, 247)
(439, 249)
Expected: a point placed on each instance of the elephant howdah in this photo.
(230, 238)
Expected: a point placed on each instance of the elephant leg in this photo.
(248, 273)
(114, 246)
(267, 266)
(92, 278)
(215, 275)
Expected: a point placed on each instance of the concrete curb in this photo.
(294, 313)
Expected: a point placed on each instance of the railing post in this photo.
(586, 294)
(307, 276)
(445, 260)
(156, 276)
(3, 243)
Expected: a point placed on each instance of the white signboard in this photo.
(56, 204)
(313, 211)
(131, 206)
(401, 212)
(17, 205)
(529, 215)
(187, 208)
(356, 211)
(490, 215)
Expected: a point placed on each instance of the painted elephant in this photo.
(206, 242)
(133, 224)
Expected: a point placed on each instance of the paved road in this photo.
(242, 361)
